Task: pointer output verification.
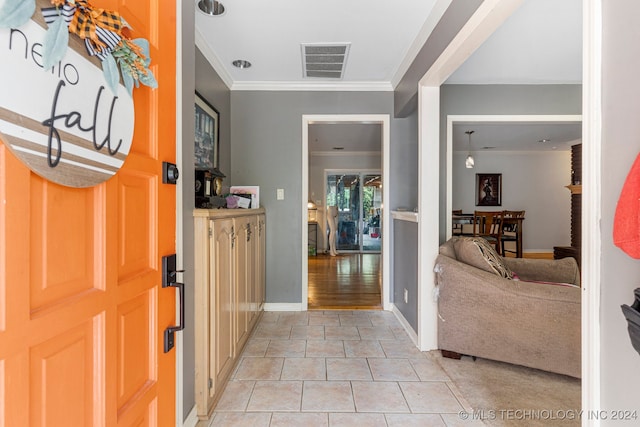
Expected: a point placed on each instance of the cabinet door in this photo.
(244, 267)
(222, 301)
(260, 262)
(251, 270)
(203, 321)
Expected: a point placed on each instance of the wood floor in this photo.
(346, 281)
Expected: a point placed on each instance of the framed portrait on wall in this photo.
(207, 140)
(488, 189)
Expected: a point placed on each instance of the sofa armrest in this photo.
(546, 270)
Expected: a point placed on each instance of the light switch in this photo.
(280, 194)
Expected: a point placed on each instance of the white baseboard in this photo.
(192, 419)
(282, 306)
(407, 327)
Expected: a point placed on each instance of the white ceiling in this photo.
(269, 35)
(541, 43)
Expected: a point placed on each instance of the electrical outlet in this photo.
(280, 194)
(406, 296)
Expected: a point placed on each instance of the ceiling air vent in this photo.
(324, 60)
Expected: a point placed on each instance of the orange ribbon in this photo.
(86, 18)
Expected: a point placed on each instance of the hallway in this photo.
(337, 368)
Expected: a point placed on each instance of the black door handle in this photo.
(169, 280)
(169, 336)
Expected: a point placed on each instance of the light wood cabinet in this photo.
(229, 294)
(259, 294)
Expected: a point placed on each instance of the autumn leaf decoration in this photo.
(103, 32)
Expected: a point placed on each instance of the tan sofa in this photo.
(483, 314)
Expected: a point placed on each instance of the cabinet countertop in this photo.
(226, 213)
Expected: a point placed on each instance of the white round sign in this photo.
(63, 123)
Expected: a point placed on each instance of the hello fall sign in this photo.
(63, 122)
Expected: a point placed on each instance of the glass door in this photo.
(358, 197)
(371, 213)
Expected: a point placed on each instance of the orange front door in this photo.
(82, 310)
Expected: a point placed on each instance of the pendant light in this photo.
(469, 162)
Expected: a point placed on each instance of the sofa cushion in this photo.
(447, 248)
(477, 252)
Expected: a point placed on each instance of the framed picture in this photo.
(207, 142)
(488, 189)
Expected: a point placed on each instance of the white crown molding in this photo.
(435, 15)
(344, 153)
(313, 86)
(513, 82)
(482, 152)
(201, 43)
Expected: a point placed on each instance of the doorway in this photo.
(519, 153)
(383, 121)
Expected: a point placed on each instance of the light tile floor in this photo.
(337, 368)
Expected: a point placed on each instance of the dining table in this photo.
(459, 221)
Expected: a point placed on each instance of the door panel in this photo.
(82, 311)
(137, 216)
(65, 362)
(135, 374)
(65, 268)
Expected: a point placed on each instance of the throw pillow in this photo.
(477, 252)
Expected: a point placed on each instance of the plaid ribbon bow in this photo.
(100, 29)
(87, 22)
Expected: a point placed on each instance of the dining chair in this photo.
(488, 225)
(512, 232)
(456, 226)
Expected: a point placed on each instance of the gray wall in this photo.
(404, 162)
(404, 194)
(532, 181)
(454, 18)
(266, 129)
(620, 370)
(211, 87)
(500, 99)
(405, 272)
